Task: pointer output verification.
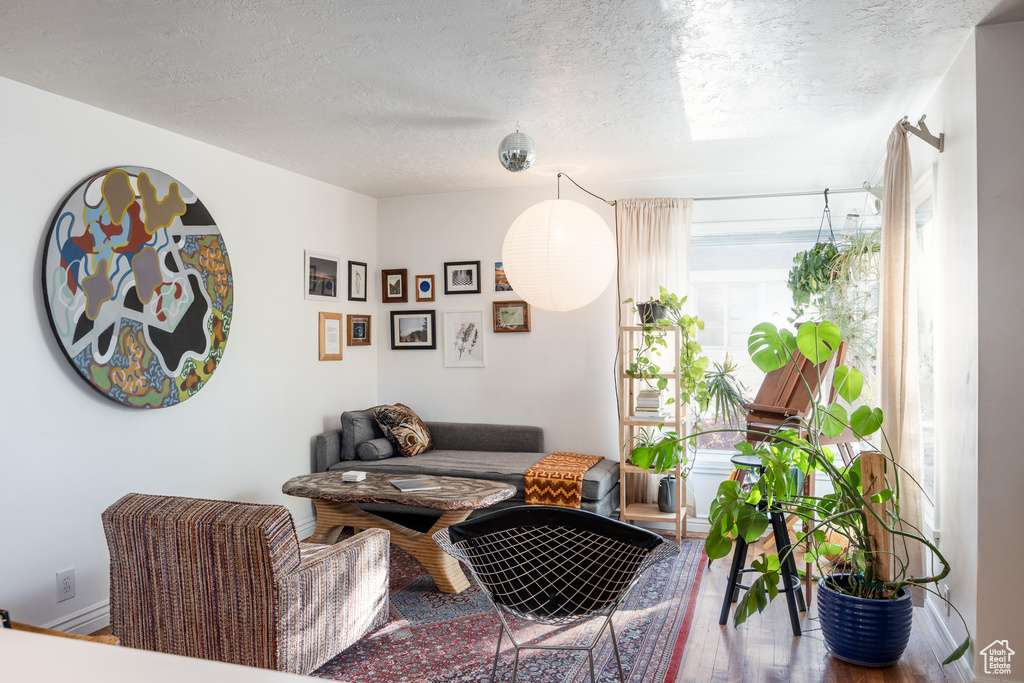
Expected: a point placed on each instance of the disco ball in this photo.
(517, 152)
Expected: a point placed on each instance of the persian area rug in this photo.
(433, 636)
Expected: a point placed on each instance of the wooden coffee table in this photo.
(456, 499)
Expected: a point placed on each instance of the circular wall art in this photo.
(138, 287)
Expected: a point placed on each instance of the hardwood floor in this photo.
(763, 650)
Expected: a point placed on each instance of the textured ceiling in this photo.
(404, 97)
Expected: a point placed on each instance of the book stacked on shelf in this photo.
(650, 405)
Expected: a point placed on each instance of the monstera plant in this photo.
(842, 544)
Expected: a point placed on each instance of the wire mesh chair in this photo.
(555, 566)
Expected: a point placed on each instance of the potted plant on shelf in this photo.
(657, 447)
(856, 572)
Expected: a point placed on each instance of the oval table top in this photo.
(456, 493)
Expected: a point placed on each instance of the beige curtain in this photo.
(654, 250)
(897, 350)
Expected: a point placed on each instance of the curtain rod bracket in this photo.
(922, 132)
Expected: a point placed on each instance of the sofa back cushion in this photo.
(357, 427)
(463, 436)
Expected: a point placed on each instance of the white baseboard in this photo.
(304, 528)
(962, 669)
(84, 621)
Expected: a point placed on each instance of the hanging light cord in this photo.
(560, 174)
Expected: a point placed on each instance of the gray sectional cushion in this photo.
(376, 449)
(462, 436)
(508, 468)
(357, 427)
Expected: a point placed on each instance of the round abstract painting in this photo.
(138, 287)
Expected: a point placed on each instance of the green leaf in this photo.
(958, 652)
(716, 545)
(832, 420)
(866, 421)
(849, 382)
(818, 341)
(769, 347)
(751, 523)
(643, 456)
(882, 496)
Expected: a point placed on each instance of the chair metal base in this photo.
(590, 649)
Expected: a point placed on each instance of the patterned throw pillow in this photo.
(405, 428)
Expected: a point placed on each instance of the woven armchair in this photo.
(231, 582)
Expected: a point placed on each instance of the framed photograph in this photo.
(359, 330)
(464, 339)
(462, 277)
(330, 336)
(322, 276)
(500, 281)
(510, 316)
(424, 288)
(412, 330)
(393, 286)
(356, 281)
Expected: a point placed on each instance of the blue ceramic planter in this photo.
(863, 631)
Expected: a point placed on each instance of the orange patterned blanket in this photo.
(558, 479)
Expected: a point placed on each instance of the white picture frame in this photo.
(464, 339)
(321, 276)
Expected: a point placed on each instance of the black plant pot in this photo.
(864, 631)
(667, 494)
(651, 312)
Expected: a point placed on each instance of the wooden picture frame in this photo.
(359, 331)
(394, 287)
(462, 277)
(321, 281)
(511, 316)
(356, 281)
(330, 335)
(424, 288)
(413, 330)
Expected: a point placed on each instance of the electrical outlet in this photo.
(944, 592)
(65, 585)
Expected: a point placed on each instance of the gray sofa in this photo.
(477, 451)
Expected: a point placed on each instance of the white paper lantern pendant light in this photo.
(559, 255)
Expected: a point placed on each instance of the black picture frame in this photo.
(356, 280)
(462, 277)
(421, 333)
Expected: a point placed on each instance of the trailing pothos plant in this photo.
(840, 520)
(813, 271)
(659, 448)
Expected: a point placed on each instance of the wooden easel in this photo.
(781, 400)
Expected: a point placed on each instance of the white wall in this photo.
(1000, 57)
(953, 110)
(65, 452)
(559, 376)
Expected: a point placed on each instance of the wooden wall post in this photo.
(872, 477)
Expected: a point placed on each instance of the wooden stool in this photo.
(787, 565)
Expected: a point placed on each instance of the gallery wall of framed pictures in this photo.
(325, 276)
(463, 332)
